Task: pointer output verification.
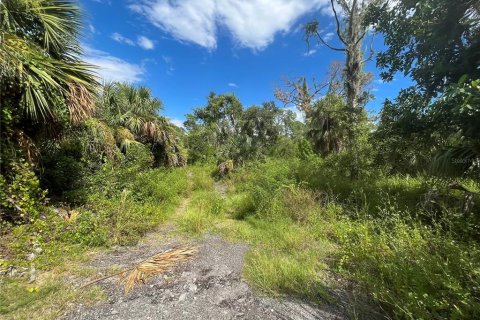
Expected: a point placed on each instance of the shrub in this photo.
(416, 272)
(21, 198)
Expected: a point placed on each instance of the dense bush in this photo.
(21, 198)
(416, 261)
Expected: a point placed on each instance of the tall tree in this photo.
(43, 81)
(351, 32)
(436, 42)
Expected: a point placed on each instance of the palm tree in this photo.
(134, 115)
(41, 73)
(43, 81)
(327, 125)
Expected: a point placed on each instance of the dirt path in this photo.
(208, 287)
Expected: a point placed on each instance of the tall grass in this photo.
(305, 219)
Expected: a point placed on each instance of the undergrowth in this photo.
(305, 221)
(117, 206)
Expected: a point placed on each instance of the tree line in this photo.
(58, 123)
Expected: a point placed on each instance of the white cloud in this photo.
(177, 122)
(327, 10)
(233, 85)
(91, 28)
(252, 24)
(112, 68)
(328, 36)
(121, 39)
(145, 43)
(169, 64)
(299, 115)
(310, 52)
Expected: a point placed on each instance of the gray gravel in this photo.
(208, 287)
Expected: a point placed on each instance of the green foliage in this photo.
(223, 130)
(133, 115)
(119, 205)
(416, 261)
(433, 41)
(328, 125)
(42, 75)
(305, 149)
(21, 198)
(88, 229)
(440, 137)
(456, 116)
(201, 212)
(46, 299)
(415, 271)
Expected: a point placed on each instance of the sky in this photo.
(184, 49)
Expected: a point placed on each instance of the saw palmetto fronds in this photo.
(156, 264)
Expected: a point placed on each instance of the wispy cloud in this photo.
(177, 122)
(111, 68)
(169, 64)
(252, 24)
(310, 52)
(142, 41)
(121, 39)
(233, 85)
(145, 43)
(91, 28)
(328, 36)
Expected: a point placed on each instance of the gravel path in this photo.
(208, 287)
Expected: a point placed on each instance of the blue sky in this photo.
(184, 49)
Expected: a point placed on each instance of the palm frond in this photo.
(80, 103)
(155, 264)
(456, 160)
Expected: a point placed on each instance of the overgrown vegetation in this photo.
(391, 206)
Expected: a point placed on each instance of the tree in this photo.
(42, 74)
(430, 125)
(404, 139)
(43, 82)
(327, 126)
(221, 119)
(223, 130)
(44, 87)
(351, 31)
(133, 114)
(302, 95)
(436, 42)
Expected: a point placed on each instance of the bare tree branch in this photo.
(339, 34)
(372, 51)
(329, 46)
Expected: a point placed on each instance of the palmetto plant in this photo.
(134, 115)
(41, 73)
(327, 125)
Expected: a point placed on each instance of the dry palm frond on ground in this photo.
(158, 263)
